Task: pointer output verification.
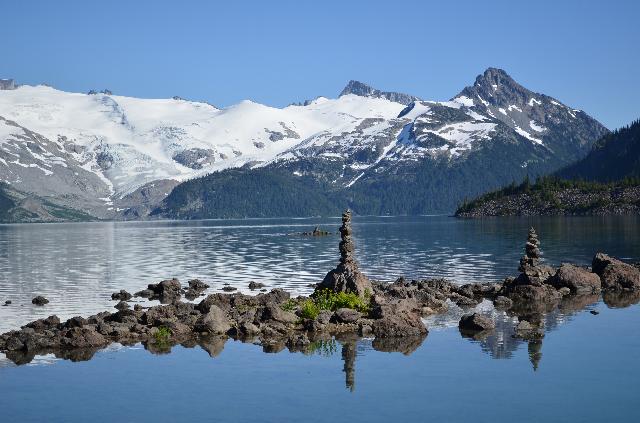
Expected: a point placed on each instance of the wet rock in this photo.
(214, 321)
(122, 305)
(121, 296)
(39, 300)
(253, 285)
(228, 288)
(346, 277)
(8, 302)
(594, 312)
(577, 279)
(346, 315)
(615, 274)
(476, 322)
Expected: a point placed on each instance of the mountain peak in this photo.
(363, 90)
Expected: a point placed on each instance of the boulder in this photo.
(476, 322)
(274, 312)
(346, 315)
(39, 300)
(255, 285)
(121, 296)
(402, 324)
(122, 305)
(577, 279)
(197, 285)
(85, 337)
(616, 275)
(214, 321)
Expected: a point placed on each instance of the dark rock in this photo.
(121, 296)
(346, 315)
(228, 288)
(83, 337)
(39, 300)
(7, 302)
(255, 285)
(145, 293)
(577, 279)
(403, 324)
(476, 322)
(197, 285)
(594, 312)
(615, 274)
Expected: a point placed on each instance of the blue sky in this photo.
(584, 53)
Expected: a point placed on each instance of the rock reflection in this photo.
(528, 323)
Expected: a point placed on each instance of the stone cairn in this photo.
(532, 256)
(346, 277)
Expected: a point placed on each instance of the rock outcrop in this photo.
(615, 274)
(347, 277)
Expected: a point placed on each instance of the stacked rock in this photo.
(346, 245)
(532, 252)
(346, 277)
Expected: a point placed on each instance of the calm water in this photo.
(78, 266)
(584, 370)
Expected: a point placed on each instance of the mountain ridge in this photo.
(120, 157)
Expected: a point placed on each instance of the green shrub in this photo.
(329, 300)
(309, 310)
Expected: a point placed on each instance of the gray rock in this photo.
(577, 279)
(346, 315)
(214, 321)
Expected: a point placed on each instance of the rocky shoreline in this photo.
(345, 303)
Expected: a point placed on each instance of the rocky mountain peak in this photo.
(498, 88)
(364, 90)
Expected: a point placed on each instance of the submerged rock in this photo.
(253, 285)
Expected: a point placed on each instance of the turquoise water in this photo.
(584, 370)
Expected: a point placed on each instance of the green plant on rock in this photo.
(289, 305)
(328, 300)
(309, 310)
(162, 335)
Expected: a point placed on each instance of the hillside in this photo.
(19, 207)
(614, 157)
(606, 181)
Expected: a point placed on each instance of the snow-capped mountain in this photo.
(111, 155)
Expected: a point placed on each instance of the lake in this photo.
(585, 368)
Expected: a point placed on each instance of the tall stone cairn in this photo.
(532, 255)
(346, 277)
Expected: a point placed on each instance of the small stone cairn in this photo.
(346, 277)
(532, 256)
